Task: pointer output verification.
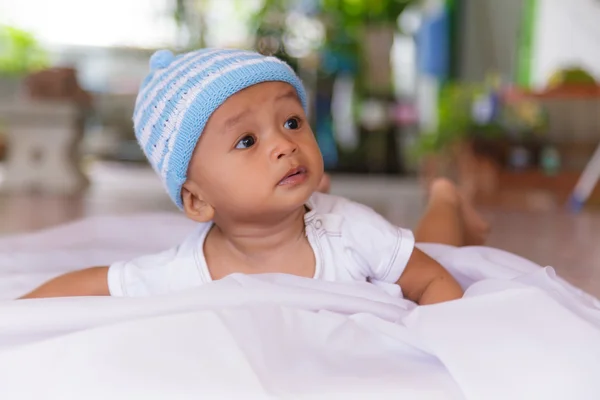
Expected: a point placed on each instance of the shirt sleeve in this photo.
(142, 276)
(165, 272)
(380, 249)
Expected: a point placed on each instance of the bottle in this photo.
(519, 158)
(550, 160)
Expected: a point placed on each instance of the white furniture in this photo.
(42, 141)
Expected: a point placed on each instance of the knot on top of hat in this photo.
(161, 59)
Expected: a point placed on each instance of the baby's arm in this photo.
(86, 282)
(425, 281)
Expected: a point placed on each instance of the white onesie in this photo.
(351, 242)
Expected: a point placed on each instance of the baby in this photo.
(226, 131)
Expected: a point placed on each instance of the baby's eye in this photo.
(245, 142)
(292, 123)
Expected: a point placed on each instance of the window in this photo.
(135, 23)
(126, 23)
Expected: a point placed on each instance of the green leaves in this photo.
(360, 11)
(20, 52)
(455, 105)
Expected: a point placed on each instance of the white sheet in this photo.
(519, 333)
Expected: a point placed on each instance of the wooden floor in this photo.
(570, 243)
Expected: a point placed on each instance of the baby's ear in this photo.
(194, 203)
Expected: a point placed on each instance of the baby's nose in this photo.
(283, 147)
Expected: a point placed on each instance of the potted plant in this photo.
(370, 26)
(477, 132)
(20, 55)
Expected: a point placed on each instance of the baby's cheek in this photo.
(249, 185)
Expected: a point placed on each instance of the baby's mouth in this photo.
(294, 176)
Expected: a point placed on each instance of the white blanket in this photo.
(519, 333)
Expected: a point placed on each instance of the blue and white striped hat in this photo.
(181, 92)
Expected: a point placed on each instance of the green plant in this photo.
(359, 12)
(345, 21)
(20, 52)
(454, 119)
(512, 119)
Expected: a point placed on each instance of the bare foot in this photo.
(325, 184)
(475, 227)
(442, 189)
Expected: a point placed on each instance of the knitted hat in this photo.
(181, 92)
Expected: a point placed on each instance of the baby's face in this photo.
(257, 154)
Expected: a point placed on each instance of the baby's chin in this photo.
(292, 200)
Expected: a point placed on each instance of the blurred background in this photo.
(500, 96)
